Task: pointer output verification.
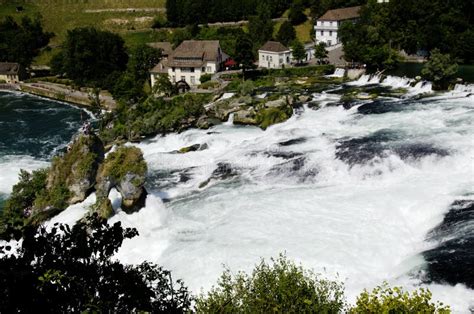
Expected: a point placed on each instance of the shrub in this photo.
(24, 193)
(269, 116)
(209, 85)
(277, 287)
(441, 69)
(384, 299)
(205, 78)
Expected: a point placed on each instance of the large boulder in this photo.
(124, 169)
(77, 169)
(245, 117)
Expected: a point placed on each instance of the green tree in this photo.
(244, 53)
(441, 69)
(280, 287)
(286, 34)
(22, 42)
(89, 56)
(163, 86)
(296, 14)
(261, 26)
(298, 51)
(66, 270)
(320, 51)
(384, 299)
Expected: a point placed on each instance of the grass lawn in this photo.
(62, 15)
(302, 30)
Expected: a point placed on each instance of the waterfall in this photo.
(339, 72)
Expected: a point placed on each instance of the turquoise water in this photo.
(32, 131)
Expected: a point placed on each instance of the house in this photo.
(189, 61)
(274, 55)
(165, 47)
(11, 73)
(327, 26)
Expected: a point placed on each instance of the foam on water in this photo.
(290, 189)
(10, 168)
(284, 190)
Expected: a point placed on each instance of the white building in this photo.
(189, 61)
(327, 26)
(274, 55)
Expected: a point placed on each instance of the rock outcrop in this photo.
(77, 169)
(124, 169)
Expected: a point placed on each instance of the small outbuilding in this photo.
(11, 73)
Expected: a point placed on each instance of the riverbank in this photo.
(82, 97)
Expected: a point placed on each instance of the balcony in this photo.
(333, 27)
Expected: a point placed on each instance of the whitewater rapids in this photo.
(351, 194)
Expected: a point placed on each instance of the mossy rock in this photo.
(103, 207)
(273, 115)
(125, 169)
(77, 169)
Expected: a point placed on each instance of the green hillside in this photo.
(123, 16)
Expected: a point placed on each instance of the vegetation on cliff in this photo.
(153, 116)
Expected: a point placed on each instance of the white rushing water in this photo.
(350, 195)
(366, 222)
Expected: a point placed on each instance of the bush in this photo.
(24, 193)
(384, 299)
(279, 287)
(441, 69)
(209, 85)
(270, 116)
(205, 78)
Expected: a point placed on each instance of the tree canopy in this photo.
(298, 51)
(412, 26)
(185, 12)
(22, 42)
(286, 34)
(66, 270)
(440, 69)
(89, 56)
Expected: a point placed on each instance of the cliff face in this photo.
(77, 169)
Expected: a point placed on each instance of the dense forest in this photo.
(21, 42)
(412, 26)
(185, 12)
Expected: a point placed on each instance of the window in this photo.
(322, 34)
(192, 70)
(209, 69)
(281, 61)
(173, 69)
(329, 43)
(271, 59)
(183, 78)
(203, 69)
(330, 33)
(267, 58)
(174, 79)
(193, 80)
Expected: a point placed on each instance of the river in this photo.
(381, 191)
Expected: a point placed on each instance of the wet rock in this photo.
(193, 148)
(283, 155)
(203, 123)
(304, 98)
(245, 117)
(223, 171)
(294, 141)
(125, 169)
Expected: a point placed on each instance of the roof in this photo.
(165, 46)
(194, 53)
(161, 67)
(9, 68)
(207, 50)
(341, 14)
(274, 46)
